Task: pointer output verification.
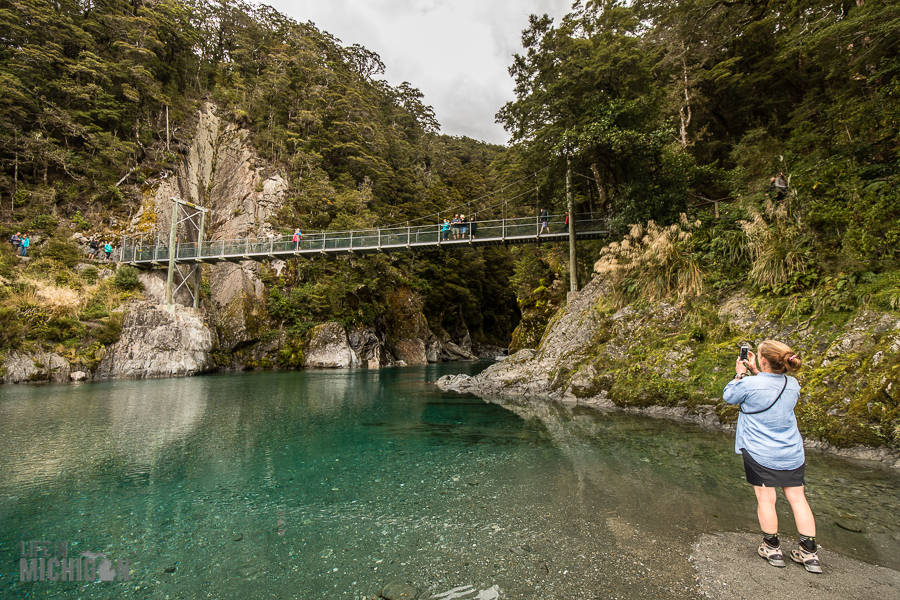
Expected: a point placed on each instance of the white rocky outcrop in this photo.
(23, 367)
(159, 343)
(329, 348)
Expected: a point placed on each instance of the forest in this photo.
(675, 119)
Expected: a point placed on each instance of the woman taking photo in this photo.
(768, 438)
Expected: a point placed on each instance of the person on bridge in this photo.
(297, 238)
(454, 225)
(463, 226)
(545, 221)
(770, 442)
(565, 228)
(445, 229)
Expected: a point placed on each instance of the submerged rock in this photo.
(398, 590)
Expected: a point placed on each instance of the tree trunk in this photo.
(601, 189)
(685, 111)
(12, 205)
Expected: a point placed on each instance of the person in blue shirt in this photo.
(769, 440)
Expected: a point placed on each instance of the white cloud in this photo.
(456, 52)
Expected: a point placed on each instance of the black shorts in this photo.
(764, 476)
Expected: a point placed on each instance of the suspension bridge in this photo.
(138, 251)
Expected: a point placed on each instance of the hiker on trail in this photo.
(545, 221)
(779, 184)
(15, 239)
(445, 229)
(108, 249)
(24, 244)
(297, 238)
(770, 442)
(95, 247)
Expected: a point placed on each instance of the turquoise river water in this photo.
(331, 484)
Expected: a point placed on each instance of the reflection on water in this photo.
(327, 484)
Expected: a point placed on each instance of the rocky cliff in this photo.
(221, 171)
(673, 361)
(159, 343)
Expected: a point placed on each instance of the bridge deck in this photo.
(402, 239)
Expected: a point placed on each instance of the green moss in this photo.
(292, 354)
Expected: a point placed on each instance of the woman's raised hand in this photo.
(751, 363)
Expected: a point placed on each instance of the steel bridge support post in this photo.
(173, 235)
(198, 271)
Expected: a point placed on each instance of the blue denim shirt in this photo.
(771, 437)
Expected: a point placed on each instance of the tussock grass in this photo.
(29, 295)
(779, 250)
(653, 263)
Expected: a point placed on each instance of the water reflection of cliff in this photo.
(48, 434)
(147, 420)
(330, 392)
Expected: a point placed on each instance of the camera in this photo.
(744, 351)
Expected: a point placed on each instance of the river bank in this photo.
(672, 361)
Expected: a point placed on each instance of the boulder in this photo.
(329, 348)
(433, 350)
(411, 351)
(453, 352)
(370, 350)
(23, 367)
(159, 343)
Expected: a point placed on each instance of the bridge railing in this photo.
(133, 248)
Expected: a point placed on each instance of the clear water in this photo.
(329, 484)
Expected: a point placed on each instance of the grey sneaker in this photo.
(773, 555)
(810, 560)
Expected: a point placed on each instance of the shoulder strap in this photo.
(756, 412)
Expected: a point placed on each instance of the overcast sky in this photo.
(455, 51)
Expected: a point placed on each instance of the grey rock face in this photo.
(411, 351)
(368, 347)
(23, 367)
(157, 343)
(220, 172)
(433, 350)
(329, 348)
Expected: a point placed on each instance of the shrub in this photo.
(110, 330)
(44, 222)
(10, 328)
(65, 252)
(61, 329)
(126, 279)
(90, 274)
